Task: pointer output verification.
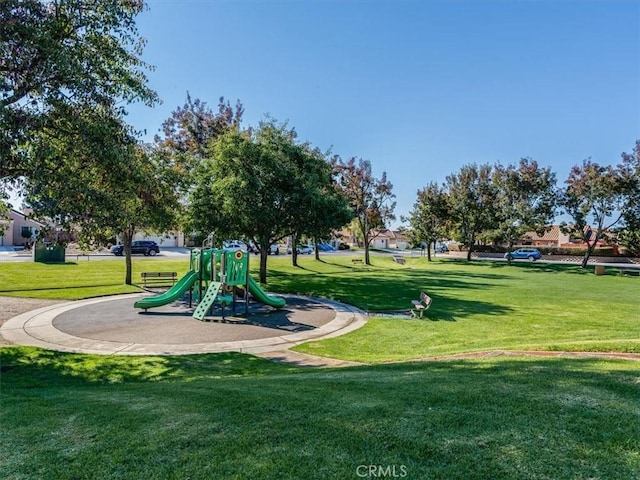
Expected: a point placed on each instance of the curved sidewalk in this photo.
(36, 328)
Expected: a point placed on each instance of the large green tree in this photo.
(130, 188)
(255, 185)
(186, 134)
(525, 198)
(59, 55)
(630, 173)
(429, 216)
(595, 196)
(370, 198)
(324, 207)
(471, 203)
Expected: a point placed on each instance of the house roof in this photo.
(13, 213)
(390, 234)
(552, 235)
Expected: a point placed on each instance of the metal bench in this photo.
(399, 259)
(357, 260)
(623, 268)
(158, 278)
(628, 269)
(420, 306)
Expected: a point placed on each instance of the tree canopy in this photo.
(59, 54)
(471, 195)
(429, 216)
(128, 188)
(370, 198)
(630, 177)
(525, 200)
(260, 185)
(595, 198)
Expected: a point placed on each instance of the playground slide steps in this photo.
(206, 302)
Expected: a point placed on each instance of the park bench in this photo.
(158, 278)
(628, 269)
(623, 269)
(399, 259)
(357, 260)
(420, 306)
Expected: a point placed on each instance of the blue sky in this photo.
(419, 88)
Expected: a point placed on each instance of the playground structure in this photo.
(215, 276)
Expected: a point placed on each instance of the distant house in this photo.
(17, 229)
(389, 239)
(553, 237)
(380, 239)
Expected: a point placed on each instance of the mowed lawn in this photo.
(78, 279)
(476, 306)
(234, 416)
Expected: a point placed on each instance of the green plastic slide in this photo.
(171, 295)
(261, 296)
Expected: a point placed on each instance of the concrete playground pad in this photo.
(111, 325)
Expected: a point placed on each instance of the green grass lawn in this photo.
(78, 280)
(476, 306)
(233, 416)
(71, 416)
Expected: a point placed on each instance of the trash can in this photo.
(47, 253)
(599, 269)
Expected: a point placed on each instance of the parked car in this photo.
(274, 249)
(441, 248)
(531, 254)
(302, 249)
(325, 247)
(146, 247)
(234, 245)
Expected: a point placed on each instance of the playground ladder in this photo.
(207, 300)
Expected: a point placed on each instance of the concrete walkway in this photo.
(67, 327)
(41, 327)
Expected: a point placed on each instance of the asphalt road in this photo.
(9, 255)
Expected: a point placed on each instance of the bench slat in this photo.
(420, 306)
(157, 278)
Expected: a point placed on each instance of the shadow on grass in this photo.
(450, 309)
(395, 290)
(27, 367)
(541, 267)
(77, 287)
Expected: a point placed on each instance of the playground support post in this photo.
(246, 287)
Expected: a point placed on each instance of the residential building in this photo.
(380, 239)
(554, 237)
(17, 229)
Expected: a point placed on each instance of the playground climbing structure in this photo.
(215, 277)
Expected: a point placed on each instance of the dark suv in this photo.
(146, 247)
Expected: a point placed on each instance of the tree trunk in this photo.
(365, 242)
(127, 239)
(429, 252)
(294, 250)
(590, 248)
(509, 248)
(264, 251)
(315, 248)
(471, 244)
